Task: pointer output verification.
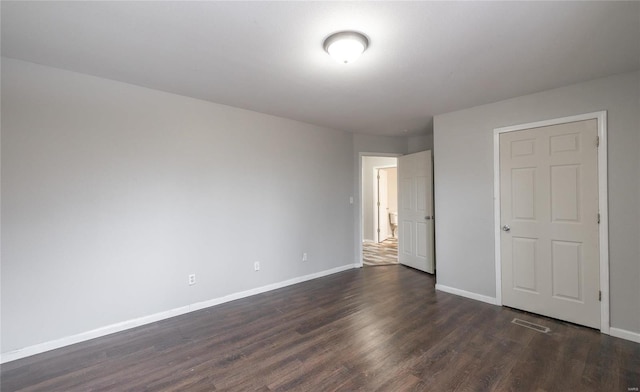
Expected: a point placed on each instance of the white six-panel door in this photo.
(415, 211)
(549, 221)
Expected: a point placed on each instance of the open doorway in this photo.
(379, 210)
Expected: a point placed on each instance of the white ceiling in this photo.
(424, 58)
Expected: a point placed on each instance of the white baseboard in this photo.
(263, 289)
(624, 334)
(117, 327)
(467, 294)
(616, 332)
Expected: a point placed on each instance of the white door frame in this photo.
(358, 261)
(601, 117)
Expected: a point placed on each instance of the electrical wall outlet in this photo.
(305, 257)
(256, 266)
(192, 279)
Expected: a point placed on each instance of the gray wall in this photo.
(419, 143)
(112, 194)
(368, 227)
(463, 141)
(382, 144)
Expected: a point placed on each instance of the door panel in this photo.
(407, 238)
(564, 143)
(415, 211)
(405, 194)
(524, 270)
(421, 193)
(524, 185)
(566, 276)
(522, 148)
(549, 199)
(565, 193)
(421, 232)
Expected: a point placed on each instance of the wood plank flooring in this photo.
(371, 329)
(383, 253)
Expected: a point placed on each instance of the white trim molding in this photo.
(624, 334)
(467, 294)
(603, 204)
(121, 326)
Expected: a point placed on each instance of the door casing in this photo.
(601, 117)
(359, 226)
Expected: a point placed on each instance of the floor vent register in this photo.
(526, 324)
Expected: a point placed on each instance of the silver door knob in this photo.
(427, 217)
(506, 228)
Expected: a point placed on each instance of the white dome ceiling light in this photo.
(346, 46)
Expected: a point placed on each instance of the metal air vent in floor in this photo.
(526, 324)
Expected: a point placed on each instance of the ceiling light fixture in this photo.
(346, 46)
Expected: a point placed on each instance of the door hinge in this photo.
(378, 177)
(378, 204)
(378, 230)
(598, 218)
(600, 295)
(597, 141)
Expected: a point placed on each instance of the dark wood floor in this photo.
(371, 329)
